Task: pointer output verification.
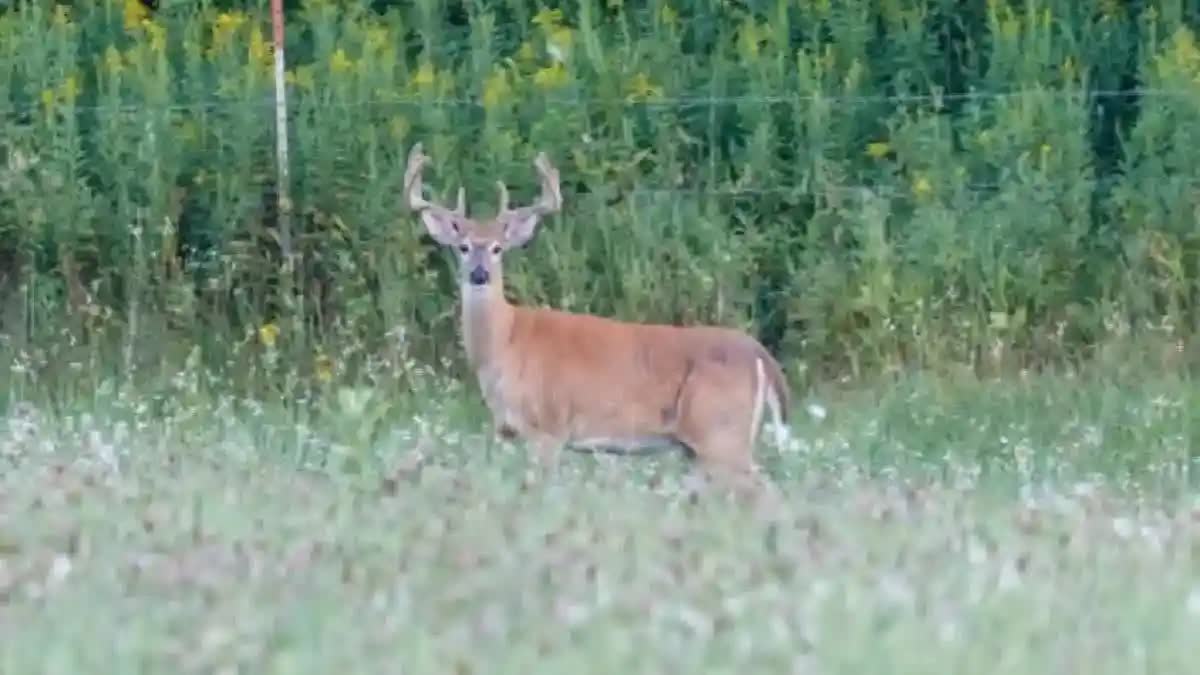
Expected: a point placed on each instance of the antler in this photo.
(413, 186)
(549, 202)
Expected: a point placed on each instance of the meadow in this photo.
(239, 440)
(866, 186)
(930, 526)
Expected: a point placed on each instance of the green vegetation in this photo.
(968, 229)
(865, 185)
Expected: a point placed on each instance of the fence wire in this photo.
(683, 102)
(894, 191)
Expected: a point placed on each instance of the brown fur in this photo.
(559, 379)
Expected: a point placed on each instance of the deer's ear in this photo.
(443, 227)
(519, 228)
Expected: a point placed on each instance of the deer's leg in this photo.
(547, 449)
(716, 417)
(744, 479)
(728, 467)
(545, 445)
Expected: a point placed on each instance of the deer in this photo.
(562, 380)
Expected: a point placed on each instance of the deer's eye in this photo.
(464, 248)
(496, 249)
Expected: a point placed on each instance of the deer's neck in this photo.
(486, 324)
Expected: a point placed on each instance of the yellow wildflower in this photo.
(260, 51)
(641, 88)
(301, 77)
(558, 43)
(1182, 57)
(112, 60)
(62, 15)
(323, 367)
(668, 15)
(496, 88)
(878, 149)
(551, 77)
(921, 186)
(425, 76)
(548, 18)
(525, 53)
(68, 90)
(749, 35)
(226, 24)
(399, 128)
(134, 13)
(377, 38)
(1010, 27)
(156, 34)
(1184, 51)
(267, 333)
(1068, 69)
(229, 22)
(135, 57)
(339, 62)
(559, 38)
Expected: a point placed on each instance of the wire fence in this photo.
(267, 100)
(893, 191)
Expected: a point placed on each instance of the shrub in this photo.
(865, 185)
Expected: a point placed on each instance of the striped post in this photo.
(281, 139)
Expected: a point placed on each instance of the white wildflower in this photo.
(1123, 527)
(1009, 578)
(948, 631)
(1193, 602)
(976, 553)
(59, 569)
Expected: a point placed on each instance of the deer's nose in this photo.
(478, 276)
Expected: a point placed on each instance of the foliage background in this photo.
(867, 186)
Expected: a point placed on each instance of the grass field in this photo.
(1037, 525)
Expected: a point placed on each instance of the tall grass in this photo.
(865, 185)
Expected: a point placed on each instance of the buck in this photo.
(561, 380)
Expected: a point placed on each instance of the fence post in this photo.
(281, 140)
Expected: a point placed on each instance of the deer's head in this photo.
(480, 244)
